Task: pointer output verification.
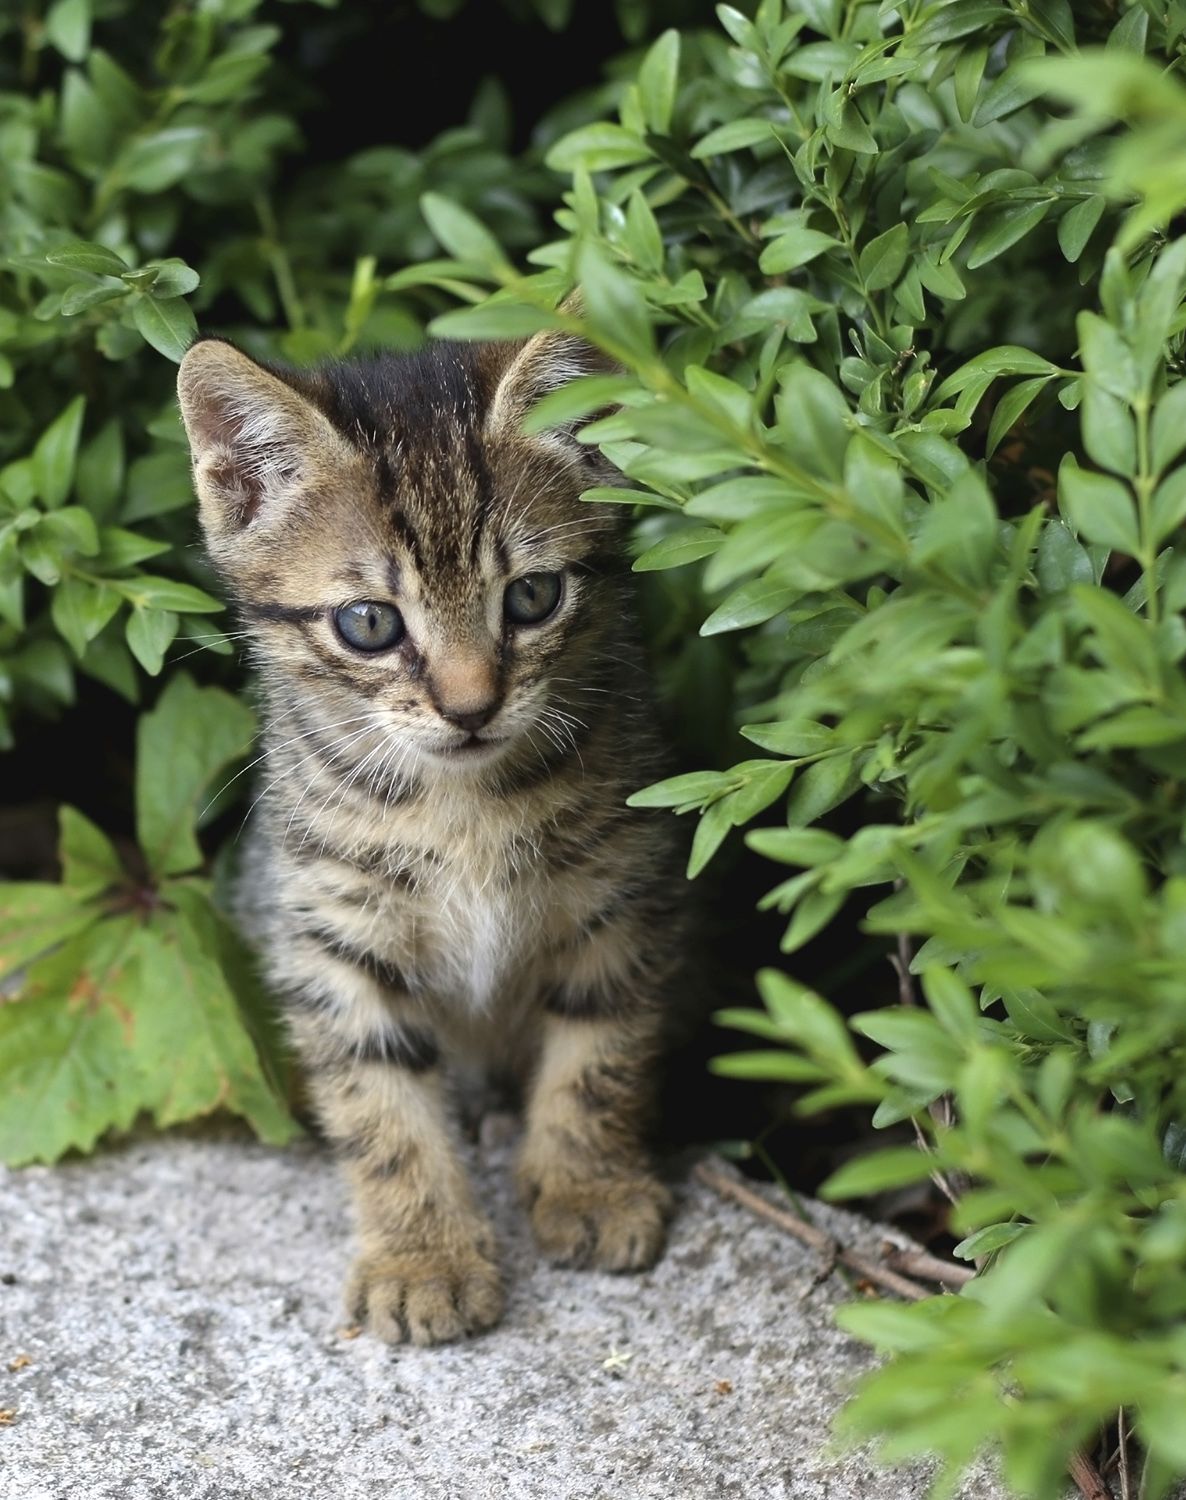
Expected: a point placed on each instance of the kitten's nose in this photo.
(465, 690)
(471, 719)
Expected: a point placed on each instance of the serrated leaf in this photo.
(190, 736)
(35, 917)
(90, 864)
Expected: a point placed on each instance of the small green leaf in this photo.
(68, 27)
(461, 233)
(1077, 224)
(1100, 508)
(169, 325)
(56, 452)
(882, 259)
(734, 135)
(150, 633)
(658, 76)
(84, 255)
(877, 1171)
(752, 603)
(688, 544)
(90, 864)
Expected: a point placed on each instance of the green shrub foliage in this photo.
(897, 294)
(899, 302)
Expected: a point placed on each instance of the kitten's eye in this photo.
(532, 598)
(368, 626)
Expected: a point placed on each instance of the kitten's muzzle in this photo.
(471, 719)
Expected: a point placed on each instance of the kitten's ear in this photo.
(253, 437)
(545, 363)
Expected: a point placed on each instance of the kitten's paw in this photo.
(615, 1224)
(425, 1296)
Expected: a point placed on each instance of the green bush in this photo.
(897, 294)
(902, 347)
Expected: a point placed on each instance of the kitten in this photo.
(442, 870)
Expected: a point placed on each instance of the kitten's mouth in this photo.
(473, 747)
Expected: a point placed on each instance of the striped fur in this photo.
(424, 908)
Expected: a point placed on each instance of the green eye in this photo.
(368, 626)
(532, 598)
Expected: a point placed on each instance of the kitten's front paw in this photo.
(615, 1223)
(428, 1296)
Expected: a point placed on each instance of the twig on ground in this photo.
(929, 1267)
(808, 1234)
(1124, 1472)
(1088, 1479)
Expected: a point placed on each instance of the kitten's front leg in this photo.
(584, 1171)
(426, 1269)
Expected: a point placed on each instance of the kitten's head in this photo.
(400, 550)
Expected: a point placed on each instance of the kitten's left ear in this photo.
(547, 362)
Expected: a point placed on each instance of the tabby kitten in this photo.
(442, 872)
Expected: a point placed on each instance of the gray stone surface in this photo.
(177, 1299)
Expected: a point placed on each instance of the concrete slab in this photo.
(177, 1299)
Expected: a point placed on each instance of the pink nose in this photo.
(471, 719)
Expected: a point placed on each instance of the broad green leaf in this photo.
(66, 1076)
(168, 325)
(461, 233)
(734, 135)
(751, 603)
(85, 255)
(658, 76)
(878, 1171)
(148, 592)
(68, 27)
(688, 544)
(690, 789)
(883, 258)
(90, 864)
(35, 917)
(985, 1241)
(797, 247)
(190, 736)
(80, 609)
(1100, 508)
(1169, 426)
(56, 452)
(711, 831)
(1076, 226)
(152, 163)
(150, 632)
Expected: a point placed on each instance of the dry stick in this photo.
(1125, 1475)
(808, 1234)
(930, 1267)
(1087, 1477)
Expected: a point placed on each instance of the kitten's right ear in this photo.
(252, 437)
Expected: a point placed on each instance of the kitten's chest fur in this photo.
(466, 899)
(483, 913)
